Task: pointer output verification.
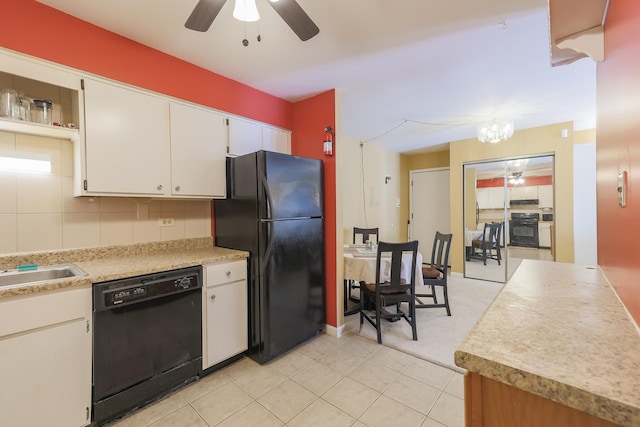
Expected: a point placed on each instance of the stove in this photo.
(523, 229)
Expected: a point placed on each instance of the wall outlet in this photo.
(166, 222)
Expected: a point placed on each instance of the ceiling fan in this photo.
(290, 11)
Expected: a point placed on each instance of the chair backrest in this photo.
(366, 233)
(499, 227)
(491, 233)
(440, 252)
(397, 250)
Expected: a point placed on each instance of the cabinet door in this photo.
(45, 355)
(226, 321)
(198, 152)
(496, 197)
(545, 194)
(276, 140)
(127, 141)
(482, 198)
(44, 377)
(544, 235)
(244, 136)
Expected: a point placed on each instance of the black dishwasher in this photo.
(147, 339)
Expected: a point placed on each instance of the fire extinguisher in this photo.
(328, 141)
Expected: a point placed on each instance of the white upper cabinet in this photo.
(545, 196)
(276, 140)
(490, 197)
(126, 141)
(198, 152)
(523, 193)
(130, 142)
(245, 136)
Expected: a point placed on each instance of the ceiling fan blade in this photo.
(296, 18)
(203, 14)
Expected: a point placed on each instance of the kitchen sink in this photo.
(40, 274)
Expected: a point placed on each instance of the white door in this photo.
(429, 207)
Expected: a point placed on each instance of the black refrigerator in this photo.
(274, 210)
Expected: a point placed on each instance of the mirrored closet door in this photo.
(508, 215)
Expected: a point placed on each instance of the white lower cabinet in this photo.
(544, 234)
(225, 316)
(45, 359)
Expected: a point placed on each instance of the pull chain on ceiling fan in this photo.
(290, 11)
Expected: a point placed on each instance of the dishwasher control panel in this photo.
(107, 295)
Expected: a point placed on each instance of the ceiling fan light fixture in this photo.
(495, 131)
(246, 11)
(516, 178)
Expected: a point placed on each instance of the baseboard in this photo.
(334, 331)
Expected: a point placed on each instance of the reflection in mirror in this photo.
(530, 208)
(485, 221)
(519, 194)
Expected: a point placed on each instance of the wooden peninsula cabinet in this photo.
(556, 348)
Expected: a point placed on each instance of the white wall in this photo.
(367, 200)
(585, 226)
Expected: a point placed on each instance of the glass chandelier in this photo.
(495, 131)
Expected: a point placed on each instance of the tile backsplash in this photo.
(38, 211)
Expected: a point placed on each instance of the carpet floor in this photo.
(439, 335)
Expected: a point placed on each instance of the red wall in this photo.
(38, 30)
(618, 149)
(310, 117)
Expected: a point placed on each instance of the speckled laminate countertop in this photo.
(116, 262)
(559, 331)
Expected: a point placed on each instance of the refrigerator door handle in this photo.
(267, 253)
(265, 186)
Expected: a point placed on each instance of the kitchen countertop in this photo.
(559, 331)
(116, 262)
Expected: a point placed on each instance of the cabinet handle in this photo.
(159, 187)
(228, 274)
(213, 297)
(177, 188)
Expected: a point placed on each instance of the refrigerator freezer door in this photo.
(287, 296)
(292, 186)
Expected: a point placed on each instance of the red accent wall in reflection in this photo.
(528, 182)
(617, 150)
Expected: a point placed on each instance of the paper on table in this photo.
(367, 251)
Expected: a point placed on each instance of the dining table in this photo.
(469, 237)
(360, 265)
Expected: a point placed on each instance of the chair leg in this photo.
(412, 311)
(378, 327)
(433, 292)
(446, 299)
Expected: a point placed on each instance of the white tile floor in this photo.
(326, 382)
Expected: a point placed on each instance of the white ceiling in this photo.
(413, 73)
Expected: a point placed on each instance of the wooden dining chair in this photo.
(351, 285)
(366, 234)
(436, 273)
(391, 291)
(487, 246)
